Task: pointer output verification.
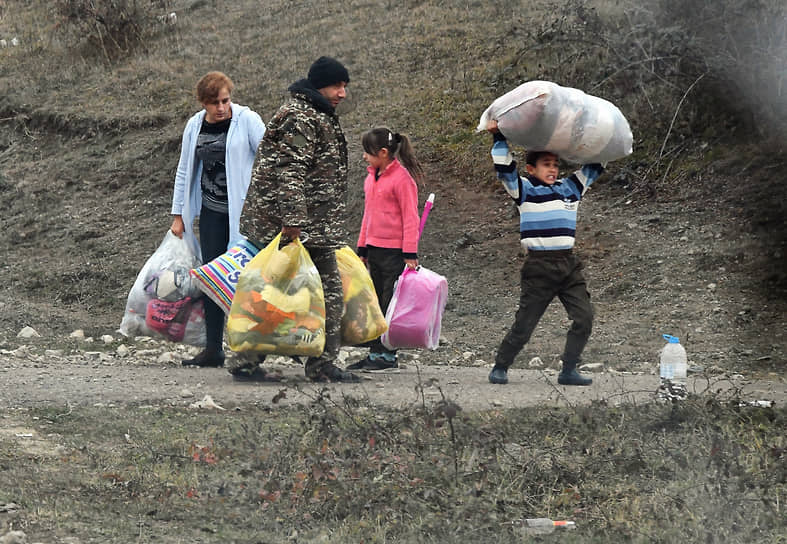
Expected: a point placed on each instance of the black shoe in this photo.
(358, 365)
(254, 374)
(331, 373)
(572, 377)
(368, 363)
(381, 364)
(499, 375)
(206, 359)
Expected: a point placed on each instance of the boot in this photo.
(254, 374)
(499, 375)
(325, 371)
(207, 358)
(570, 376)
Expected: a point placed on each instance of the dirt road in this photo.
(154, 376)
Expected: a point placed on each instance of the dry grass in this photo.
(342, 471)
(706, 471)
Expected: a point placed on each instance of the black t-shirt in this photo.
(211, 147)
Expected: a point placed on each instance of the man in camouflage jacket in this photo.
(299, 188)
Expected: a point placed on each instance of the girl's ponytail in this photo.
(407, 156)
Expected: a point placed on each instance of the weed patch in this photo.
(703, 471)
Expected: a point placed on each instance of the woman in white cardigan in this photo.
(214, 171)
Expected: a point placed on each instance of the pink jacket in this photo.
(390, 214)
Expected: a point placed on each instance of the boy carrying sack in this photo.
(547, 218)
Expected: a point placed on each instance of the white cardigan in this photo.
(245, 132)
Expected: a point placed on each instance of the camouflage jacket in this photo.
(299, 178)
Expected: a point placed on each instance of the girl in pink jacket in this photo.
(388, 240)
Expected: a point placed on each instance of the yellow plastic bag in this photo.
(362, 319)
(279, 306)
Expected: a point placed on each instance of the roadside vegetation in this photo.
(341, 470)
(94, 98)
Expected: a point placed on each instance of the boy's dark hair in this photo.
(532, 157)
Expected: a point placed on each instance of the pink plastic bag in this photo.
(415, 312)
(178, 321)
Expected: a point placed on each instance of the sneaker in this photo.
(498, 375)
(331, 373)
(376, 365)
(372, 365)
(254, 374)
(572, 377)
(206, 359)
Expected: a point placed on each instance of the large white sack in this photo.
(578, 127)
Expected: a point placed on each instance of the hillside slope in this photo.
(88, 152)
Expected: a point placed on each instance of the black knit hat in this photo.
(327, 71)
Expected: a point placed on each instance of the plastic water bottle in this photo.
(672, 369)
(543, 526)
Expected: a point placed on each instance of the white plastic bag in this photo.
(578, 127)
(165, 277)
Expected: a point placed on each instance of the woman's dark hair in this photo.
(379, 138)
(211, 84)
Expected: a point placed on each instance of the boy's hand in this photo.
(491, 126)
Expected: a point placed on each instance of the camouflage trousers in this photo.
(324, 259)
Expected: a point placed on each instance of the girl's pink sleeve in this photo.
(407, 194)
(366, 212)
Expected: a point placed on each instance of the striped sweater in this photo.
(547, 213)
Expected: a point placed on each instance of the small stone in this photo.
(14, 537)
(28, 332)
(107, 339)
(53, 352)
(535, 362)
(186, 393)
(207, 402)
(122, 350)
(168, 357)
(78, 334)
